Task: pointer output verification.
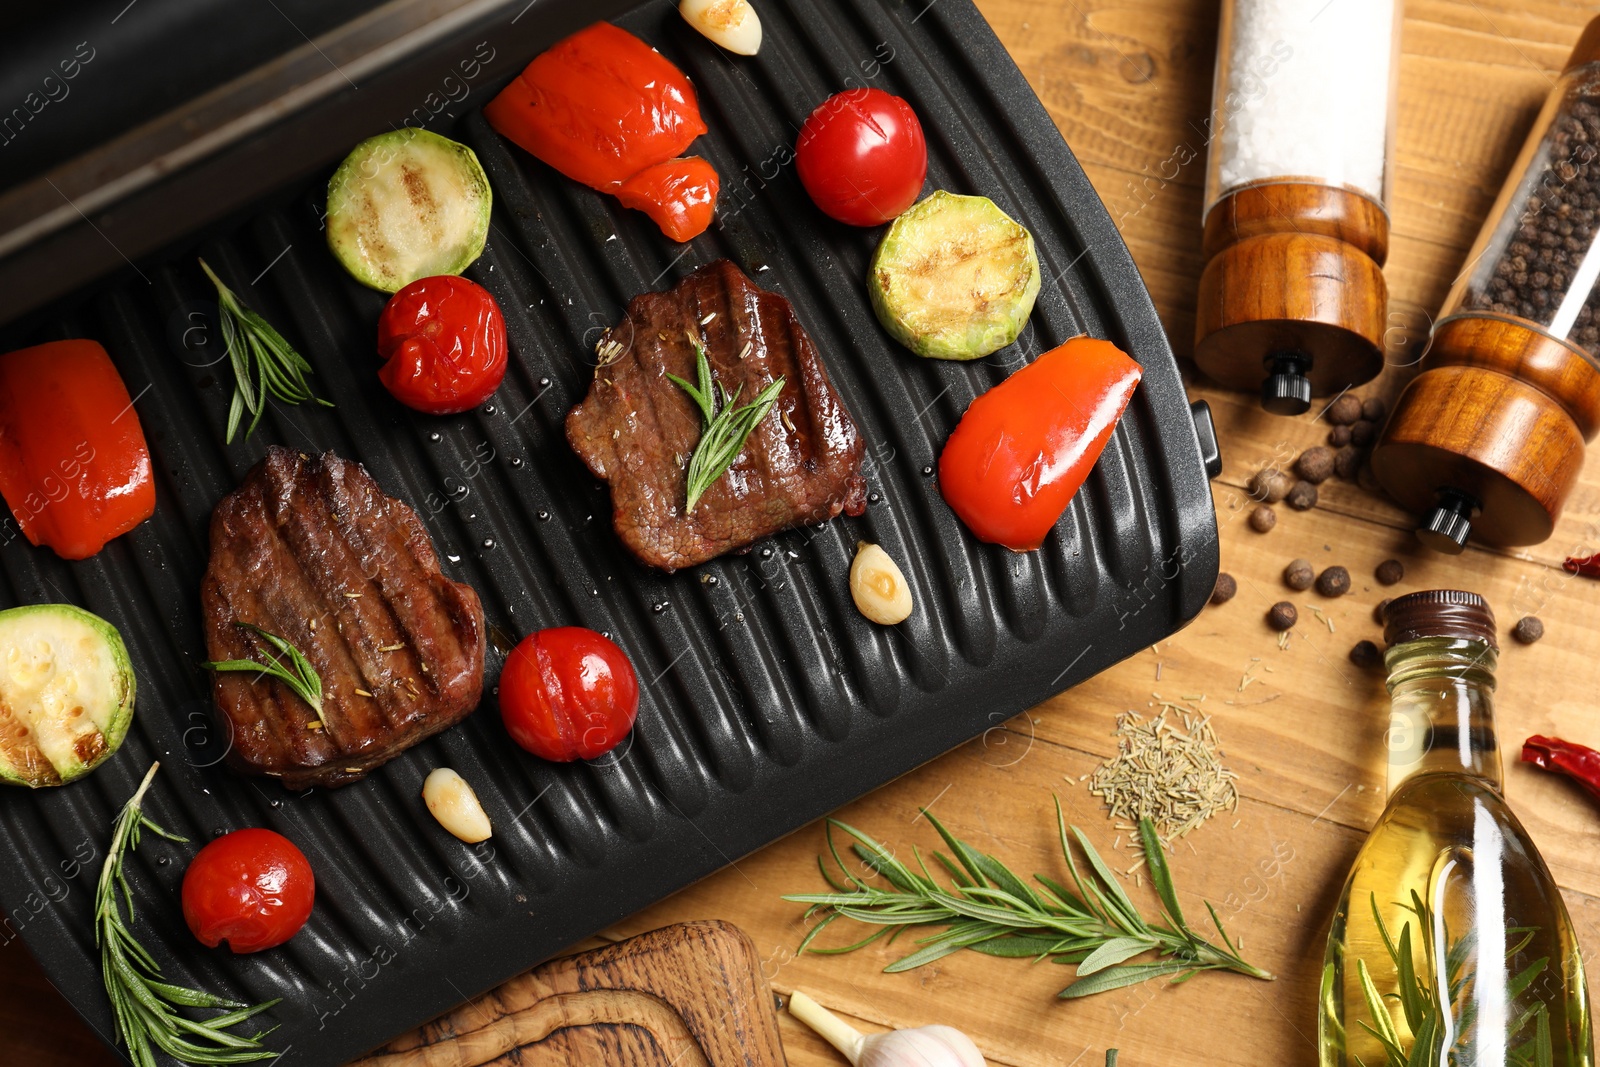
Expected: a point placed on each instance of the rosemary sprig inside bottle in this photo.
(725, 431)
(289, 666)
(145, 1007)
(989, 909)
(264, 364)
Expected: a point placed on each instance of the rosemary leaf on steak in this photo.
(723, 432)
(293, 669)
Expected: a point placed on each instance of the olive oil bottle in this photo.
(1451, 946)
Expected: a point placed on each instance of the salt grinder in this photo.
(1488, 439)
(1292, 300)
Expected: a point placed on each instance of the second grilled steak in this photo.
(312, 550)
(637, 429)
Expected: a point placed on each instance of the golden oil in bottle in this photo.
(1451, 944)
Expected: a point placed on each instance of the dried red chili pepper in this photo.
(1588, 566)
(1577, 762)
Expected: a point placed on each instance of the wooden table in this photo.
(1129, 83)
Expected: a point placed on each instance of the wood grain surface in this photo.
(1129, 83)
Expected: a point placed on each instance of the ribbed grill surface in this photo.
(767, 699)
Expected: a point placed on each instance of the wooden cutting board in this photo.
(690, 995)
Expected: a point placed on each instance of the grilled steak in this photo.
(312, 551)
(637, 429)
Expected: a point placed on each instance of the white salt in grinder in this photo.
(1292, 300)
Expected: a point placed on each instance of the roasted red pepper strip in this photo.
(678, 195)
(603, 108)
(1577, 762)
(1023, 448)
(1588, 566)
(74, 467)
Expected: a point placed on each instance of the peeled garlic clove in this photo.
(451, 800)
(877, 586)
(733, 24)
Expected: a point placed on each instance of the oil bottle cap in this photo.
(1439, 613)
(1587, 50)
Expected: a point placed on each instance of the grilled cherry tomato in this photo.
(862, 156)
(1024, 447)
(443, 340)
(679, 195)
(251, 888)
(74, 466)
(568, 693)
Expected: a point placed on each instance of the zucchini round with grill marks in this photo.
(66, 693)
(955, 277)
(405, 205)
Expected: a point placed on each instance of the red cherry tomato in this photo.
(251, 888)
(678, 195)
(1023, 448)
(443, 341)
(568, 693)
(862, 157)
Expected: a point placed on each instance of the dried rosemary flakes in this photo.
(1172, 776)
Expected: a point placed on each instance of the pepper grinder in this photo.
(1292, 299)
(1488, 440)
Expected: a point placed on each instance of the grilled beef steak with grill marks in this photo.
(311, 550)
(637, 429)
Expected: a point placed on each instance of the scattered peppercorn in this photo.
(1226, 588)
(1269, 484)
(1363, 432)
(1263, 518)
(1335, 581)
(1343, 411)
(1373, 409)
(1303, 497)
(1298, 575)
(1389, 572)
(1315, 465)
(1365, 655)
(1339, 436)
(1282, 616)
(1528, 629)
(1347, 461)
(1377, 612)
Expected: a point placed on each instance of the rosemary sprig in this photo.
(145, 1007)
(263, 362)
(293, 669)
(989, 909)
(723, 432)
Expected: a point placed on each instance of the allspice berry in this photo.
(1282, 616)
(1363, 433)
(1335, 581)
(1269, 485)
(1315, 465)
(1339, 436)
(1303, 497)
(1373, 409)
(1389, 572)
(1365, 655)
(1343, 411)
(1263, 518)
(1298, 575)
(1377, 612)
(1347, 462)
(1225, 589)
(1528, 629)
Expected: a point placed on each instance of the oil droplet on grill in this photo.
(659, 607)
(435, 437)
(544, 383)
(516, 462)
(488, 542)
(488, 409)
(873, 498)
(927, 472)
(542, 515)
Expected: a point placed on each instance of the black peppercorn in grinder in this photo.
(1489, 439)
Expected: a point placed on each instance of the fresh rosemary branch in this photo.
(989, 909)
(263, 362)
(299, 675)
(723, 433)
(145, 1007)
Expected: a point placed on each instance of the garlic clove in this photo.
(451, 801)
(878, 587)
(924, 1046)
(733, 24)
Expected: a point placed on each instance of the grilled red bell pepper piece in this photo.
(603, 108)
(1024, 447)
(678, 195)
(74, 467)
(1577, 762)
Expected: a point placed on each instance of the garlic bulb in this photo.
(731, 23)
(925, 1046)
